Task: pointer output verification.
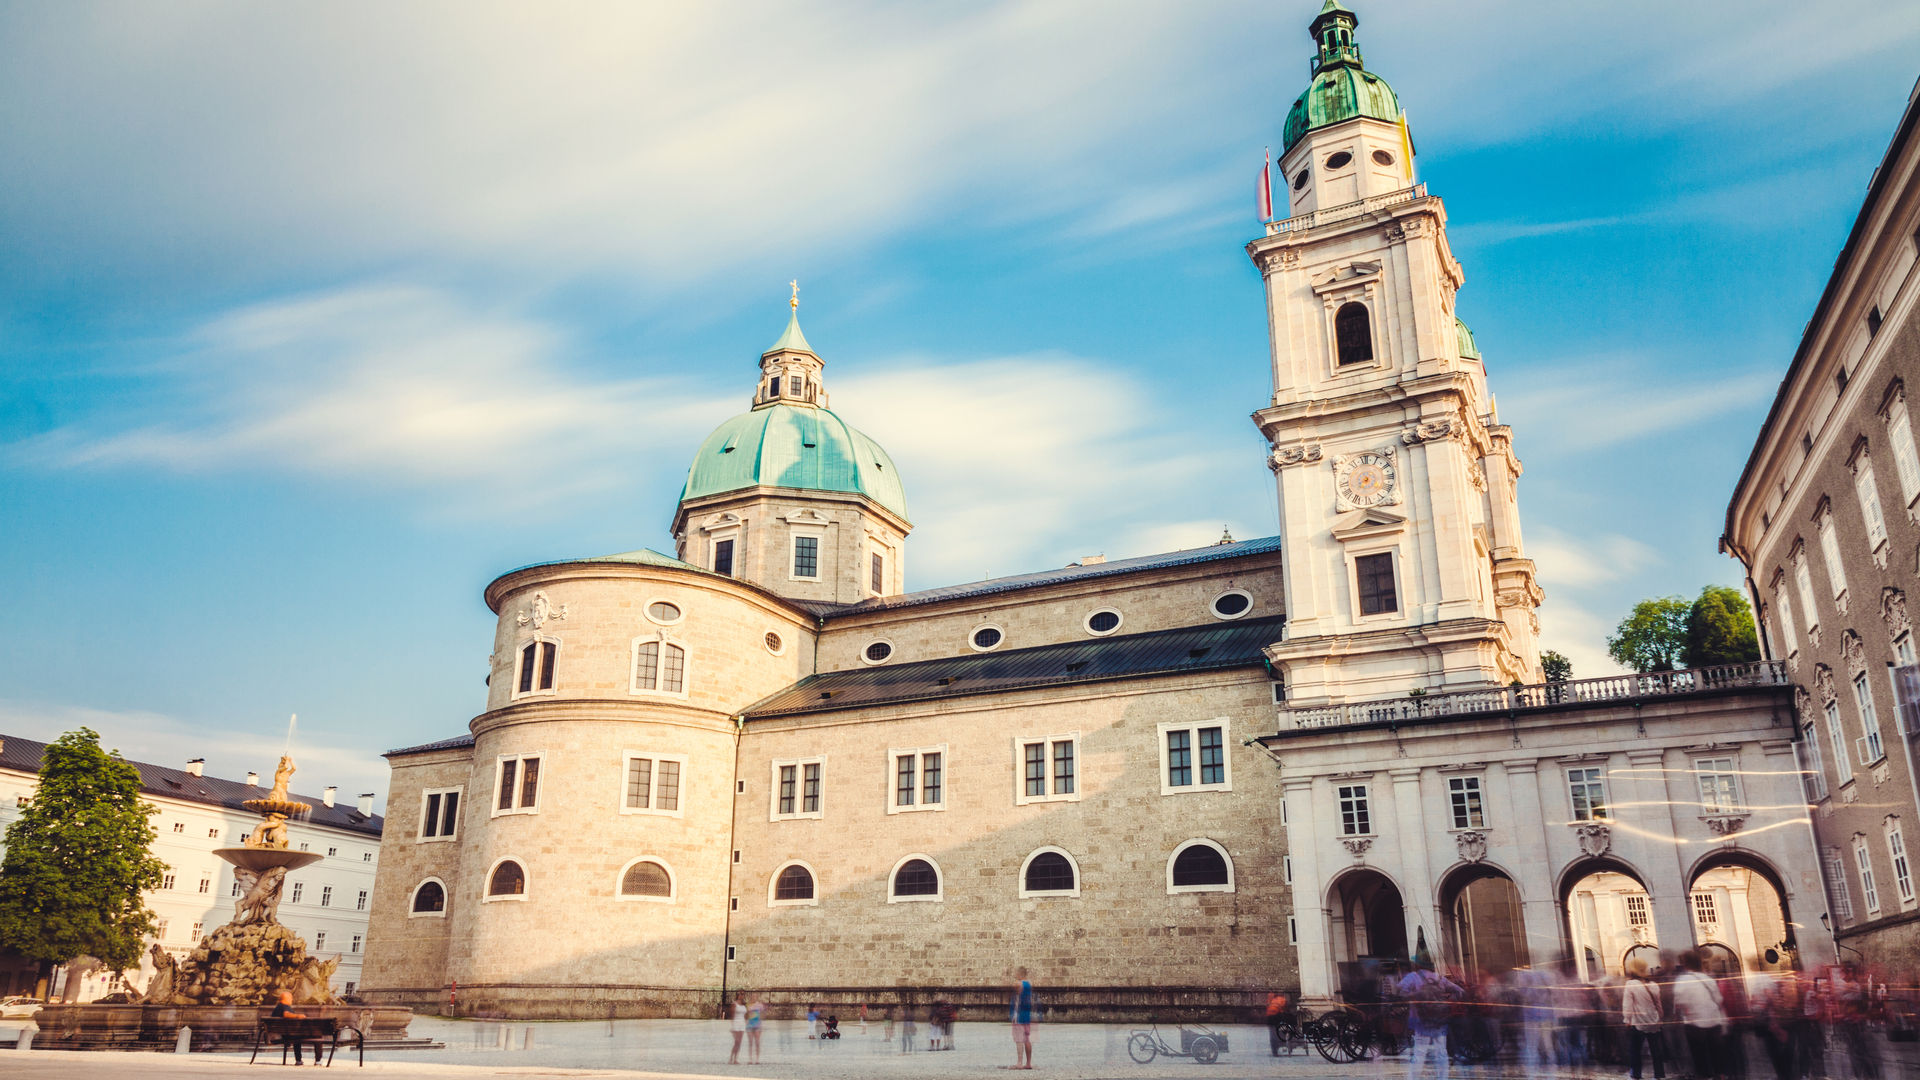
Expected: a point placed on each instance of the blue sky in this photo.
(313, 319)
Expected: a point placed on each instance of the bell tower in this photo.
(1401, 531)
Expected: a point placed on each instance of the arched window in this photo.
(1353, 333)
(915, 878)
(537, 661)
(659, 665)
(793, 885)
(646, 879)
(430, 898)
(1049, 872)
(1199, 866)
(507, 879)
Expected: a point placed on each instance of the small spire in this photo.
(1226, 536)
(795, 302)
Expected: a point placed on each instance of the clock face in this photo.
(1369, 479)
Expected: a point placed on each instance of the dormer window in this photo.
(793, 386)
(1353, 333)
(773, 387)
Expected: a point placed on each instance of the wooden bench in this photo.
(318, 1031)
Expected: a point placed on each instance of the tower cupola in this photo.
(1333, 29)
(790, 370)
(1345, 139)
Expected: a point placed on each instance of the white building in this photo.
(325, 903)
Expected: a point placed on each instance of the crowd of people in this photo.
(748, 1014)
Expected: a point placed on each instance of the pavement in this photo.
(697, 1050)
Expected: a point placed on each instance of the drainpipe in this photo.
(726, 936)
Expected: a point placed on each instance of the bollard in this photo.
(506, 1037)
(184, 1044)
(26, 1038)
(528, 1043)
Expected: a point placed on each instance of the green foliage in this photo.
(78, 860)
(1653, 637)
(1555, 667)
(1720, 629)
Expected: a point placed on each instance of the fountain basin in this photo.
(260, 860)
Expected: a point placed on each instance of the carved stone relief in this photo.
(1472, 845)
(1726, 824)
(1856, 653)
(1296, 455)
(540, 612)
(1594, 838)
(1893, 608)
(1823, 682)
(1357, 846)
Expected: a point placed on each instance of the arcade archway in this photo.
(1485, 929)
(1739, 914)
(1369, 918)
(1607, 915)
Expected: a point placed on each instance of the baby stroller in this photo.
(832, 1028)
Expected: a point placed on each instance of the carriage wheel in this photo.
(1205, 1050)
(1141, 1047)
(1355, 1037)
(1324, 1033)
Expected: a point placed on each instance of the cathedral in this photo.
(1180, 780)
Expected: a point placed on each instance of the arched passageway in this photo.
(1607, 915)
(1369, 920)
(1485, 932)
(1739, 914)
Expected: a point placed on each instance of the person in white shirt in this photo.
(1697, 1004)
(1640, 1012)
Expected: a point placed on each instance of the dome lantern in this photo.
(1342, 88)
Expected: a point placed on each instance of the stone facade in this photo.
(1826, 521)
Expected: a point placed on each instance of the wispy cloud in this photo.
(1579, 574)
(1572, 412)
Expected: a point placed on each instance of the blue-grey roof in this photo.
(459, 742)
(25, 755)
(1160, 652)
(1187, 557)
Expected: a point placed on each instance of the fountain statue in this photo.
(253, 957)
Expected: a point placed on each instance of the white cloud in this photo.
(1566, 562)
(1574, 413)
(160, 739)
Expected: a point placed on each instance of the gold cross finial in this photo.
(795, 302)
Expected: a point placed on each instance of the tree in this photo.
(1720, 629)
(1653, 636)
(1555, 667)
(78, 860)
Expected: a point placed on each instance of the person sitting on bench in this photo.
(284, 1011)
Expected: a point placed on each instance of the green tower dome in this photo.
(802, 447)
(1468, 350)
(1342, 87)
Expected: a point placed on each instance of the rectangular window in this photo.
(793, 386)
(356, 944)
(1803, 583)
(236, 888)
(917, 779)
(1869, 492)
(1842, 760)
(1719, 785)
(904, 785)
(1839, 897)
(1047, 769)
(1293, 931)
(797, 788)
(1194, 757)
(773, 387)
(1469, 812)
(1870, 747)
(932, 780)
(1830, 553)
(518, 790)
(326, 896)
(1637, 916)
(806, 556)
(1706, 914)
(652, 784)
(1286, 869)
(319, 940)
(366, 856)
(166, 882)
(206, 884)
(360, 902)
(879, 574)
(160, 930)
(659, 665)
(1905, 676)
(179, 826)
(1375, 575)
(537, 660)
(1906, 464)
(1355, 817)
(1902, 870)
(211, 833)
(439, 814)
(332, 851)
(1787, 633)
(1587, 789)
(197, 928)
(723, 557)
(1874, 319)
(1814, 772)
(1863, 859)
(298, 887)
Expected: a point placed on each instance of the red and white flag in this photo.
(1265, 194)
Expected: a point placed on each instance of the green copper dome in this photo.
(1342, 87)
(1468, 350)
(794, 446)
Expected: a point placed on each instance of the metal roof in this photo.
(458, 742)
(1091, 571)
(799, 447)
(25, 754)
(1161, 652)
(792, 340)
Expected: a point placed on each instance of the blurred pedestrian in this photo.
(1430, 999)
(756, 1015)
(738, 1026)
(1698, 1005)
(1020, 1011)
(1640, 1012)
(1276, 1009)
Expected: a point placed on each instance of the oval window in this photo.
(1103, 622)
(662, 612)
(1232, 605)
(1300, 180)
(878, 651)
(1381, 157)
(774, 644)
(1340, 160)
(986, 637)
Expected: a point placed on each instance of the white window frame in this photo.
(486, 881)
(459, 812)
(1362, 804)
(1087, 623)
(1814, 768)
(998, 642)
(1046, 894)
(653, 783)
(1830, 552)
(1233, 878)
(354, 946)
(870, 661)
(1833, 869)
(1906, 462)
(1223, 594)
(1476, 783)
(446, 899)
(519, 661)
(1902, 863)
(673, 882)
(777, 636)
(1803, 584)
(773, 881)
(647, 610)
(294, 893)
(1711, 770)
(319, 938)
(818, 533)
(1863, 862)
(1788, 633)
(659, 666)
(519, 783)
(1193, 729)
(799, 791)
(730, 535)
(918, 754)
(1020, 743)
(326, 896)
(360, 901)
(1389, 547)
(1606, 792)
(1843, 765)
(1871, 748)
(939, 875)
(1868, 492)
